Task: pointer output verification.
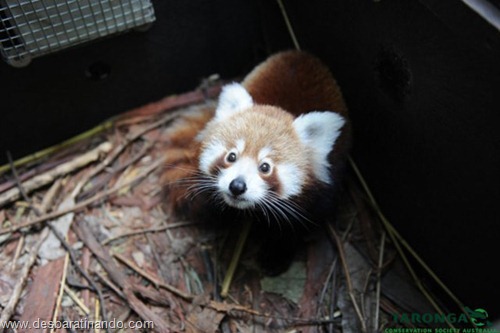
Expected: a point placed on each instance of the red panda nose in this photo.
(238, 186)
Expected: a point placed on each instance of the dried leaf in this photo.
(290, 284)
(206, 321)
(51, 248)
(138, 257)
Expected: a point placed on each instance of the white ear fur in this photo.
(319, 131)
(233, 98)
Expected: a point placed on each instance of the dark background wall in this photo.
(422, 81)
(53, 98)
(421, 78)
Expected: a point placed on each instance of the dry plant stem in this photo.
(85, 234)
(84, 203)
(333, 301)
(48, 151)
(49, 198)
(19, 247)
(398, 239)
(21, 280)
(288, 24)
(111, 285)
(77, 300)
(95, 188)
(80, 270)
(33, 252)
(350, 288)
(325, 284)
(129, 139)
(96, 314)
(379, 282)
(143, 231)
(168, 103)
(61, 291)
(154, 280)
(49, 176)
(417, 281)
(64, 243)
(228, 278)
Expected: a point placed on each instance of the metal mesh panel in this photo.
(30, 28)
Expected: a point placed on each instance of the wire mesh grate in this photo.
(31, 28)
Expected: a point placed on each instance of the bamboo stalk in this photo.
(228, 278)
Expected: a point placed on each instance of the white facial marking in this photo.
(233, 99)
(263, 153)
(318, 131)
(240, 145)
(256, 188)
(291, 178)
(213, 151)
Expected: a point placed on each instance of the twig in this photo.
(48, 151)
(95, 188)
(19, 248)
(325, 284)
(49, 176)
(83, 232)
(61, 291)
(70, 253)
(33, 253)
(228, 278)
(76, 299)
(288, 24)
(49, 198)
(121, 147)
(154, 280)
(21, 280)
(165, 104)
(397, 239)
(332, 300)
(379, 282)
(334, 264)
(143, 231)
(96, 315)
(84, 203)
(111, 285)
(80, 270)
(347, 277)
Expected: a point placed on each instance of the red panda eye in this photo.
(231, 157)
(265, 167)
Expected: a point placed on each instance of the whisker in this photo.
(293, 209)
(282, 212)
(299, 212)
(263, 208)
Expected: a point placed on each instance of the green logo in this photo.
(478, 317)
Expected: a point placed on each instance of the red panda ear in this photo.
(318, 131)
(233, 98)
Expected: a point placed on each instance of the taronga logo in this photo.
(477, 317)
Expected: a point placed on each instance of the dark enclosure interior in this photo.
(421, 80)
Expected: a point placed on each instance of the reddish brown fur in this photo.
(182, 156)
(263, 125)
(294, 81)
(299, 83)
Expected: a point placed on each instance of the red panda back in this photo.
(299, 83)
(296, 82)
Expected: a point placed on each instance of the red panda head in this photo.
(257, 154)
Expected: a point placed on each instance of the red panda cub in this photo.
(273, 150)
